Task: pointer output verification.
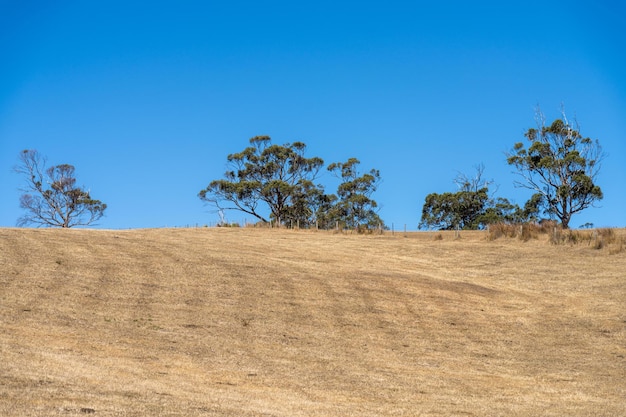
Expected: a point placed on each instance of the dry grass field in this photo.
(256, 322)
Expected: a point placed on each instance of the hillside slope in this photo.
(250, 322)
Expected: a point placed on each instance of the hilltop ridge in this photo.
(256, 322)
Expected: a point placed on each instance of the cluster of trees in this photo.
(474, 207)
(559, 165)
(281, 180)
(271, 182)
(278, 183)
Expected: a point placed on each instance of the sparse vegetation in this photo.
(596, 238)
(233, 224)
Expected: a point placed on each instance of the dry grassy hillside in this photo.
(249, 322)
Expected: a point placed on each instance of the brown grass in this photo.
(252, 322)
(611, 239)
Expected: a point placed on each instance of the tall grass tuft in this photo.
(556, 235)
(525, 231)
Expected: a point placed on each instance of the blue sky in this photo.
(147, 98)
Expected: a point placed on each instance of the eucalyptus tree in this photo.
(51, 197)
(559, 164)
(355, 207)
(473, 206)
(267, 178)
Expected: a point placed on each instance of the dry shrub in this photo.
(607, 234)
(498, 230)
(597, 239)
(598, 244)
(575, 237)
(559, 236)
(619, 247)
(607, 237)
(234, 224)
(556, 236)
(529, 231)
(584, 236)
(524, 231)
(548, 226)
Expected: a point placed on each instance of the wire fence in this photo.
(390, 230)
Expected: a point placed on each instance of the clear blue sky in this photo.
(147, 98)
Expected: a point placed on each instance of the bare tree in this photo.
(51, 197)
(475, 183)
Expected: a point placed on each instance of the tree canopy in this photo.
(281, 180)
(560, 165)
(355, 207)
(275, 175)
(472, 207)
(51, 197)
